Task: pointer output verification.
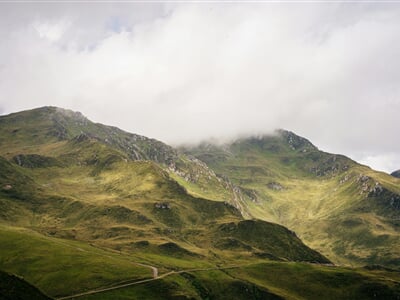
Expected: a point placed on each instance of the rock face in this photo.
(396, 174)
(296, 142)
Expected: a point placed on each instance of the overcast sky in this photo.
(186, 72)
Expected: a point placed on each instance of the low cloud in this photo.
(383, 161)
(184, 73)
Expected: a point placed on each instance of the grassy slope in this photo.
(79, 188)
(325, 198)
(268, 280)
(305, 281)
(29, 131)
(116, 209)
(94, 191)
(68, 191)
(48, 130)
(49, 263)
(130, 202)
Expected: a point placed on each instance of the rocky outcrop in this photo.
(396, 174)
(296, 142)
(162, 205)
(276, 186)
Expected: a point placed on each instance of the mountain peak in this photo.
(46, 111)
(277, 141)
(295, 141)
(53, 124)
(66, 113)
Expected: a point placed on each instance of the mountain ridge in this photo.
(98, 194)
(100, 154)
(294, 183)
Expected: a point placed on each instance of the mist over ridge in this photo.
(183, 73)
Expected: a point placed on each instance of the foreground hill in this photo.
(90, 210)
(15, 288)
(345, 210)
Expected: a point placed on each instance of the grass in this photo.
(49, 263)
(312, 193)
(84, 208)
(116, 209)
(268, 280)
(307, 281)
(171, 288)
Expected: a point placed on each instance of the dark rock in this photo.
(276, 186)
(162, 205)
(396, 174)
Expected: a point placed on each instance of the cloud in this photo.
(51, 31)
(382, 161)
(184, 73)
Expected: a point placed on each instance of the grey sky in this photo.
(187, 72)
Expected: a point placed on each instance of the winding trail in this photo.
(127, 283)
(155, 270)
(155, 277)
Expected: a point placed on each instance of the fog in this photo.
(183, 73)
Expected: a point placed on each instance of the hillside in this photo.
(51, 131)
(120, 216)
(88, 187)
(345, 210)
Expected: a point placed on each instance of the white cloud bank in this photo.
(329, 72)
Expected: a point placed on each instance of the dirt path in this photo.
(155, 270)
(155, 277)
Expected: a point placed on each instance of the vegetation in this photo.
(346, 211)
(102, 209)
(50, 263)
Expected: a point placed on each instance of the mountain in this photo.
(30, 130)
(88, 209)
(51, 131)
(396, 174)
(345, 210)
